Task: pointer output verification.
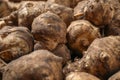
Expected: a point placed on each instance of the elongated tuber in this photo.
(39, 65)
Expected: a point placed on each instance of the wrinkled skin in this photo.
(80, 76)
(49, 30)
(101, 58)
(115, 76)
(15, 42)
(80, 35)
(39, 65)
(96, 11)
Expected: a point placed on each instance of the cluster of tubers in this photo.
(59, 39)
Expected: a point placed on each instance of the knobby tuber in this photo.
(29, 10)
(98, 12)
(15, 42)
(38, 65)
(49, 30)
(101, 58)
(80, 76)
(70, 31)
(80, 35)
(115, 76)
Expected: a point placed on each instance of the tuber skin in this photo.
(80, 35)
(80, 76)
(113, 28)
(65, 13)
(61, 2)
(30, 10)
(4, 9)
(38, 65)
(75, 2)
(49, 30)
(7, 7)
(2, 64)
(115, 76)
(101, 58)
(98, 12)
(62, 51)
(25, 0)
(15, 42)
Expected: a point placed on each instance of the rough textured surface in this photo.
(96, 11)
(15, 42)
(25, 0)
(4, 9)
(39, 65)
(74, 3)
(114, 27)
(49, 29)
(30, 9)
(62, 51)
(80, 76)
(116, 76)
(101, 59)
(80, 34)
(61, 2)
(65, 13)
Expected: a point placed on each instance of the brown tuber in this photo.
(62, 51)
(30, 10)
(38, 65)
(80, 76)
(15, 42)
(114, 27)
(98, 12)
(101, 59)
(80, 35)
(61, 2)
(49, 30)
